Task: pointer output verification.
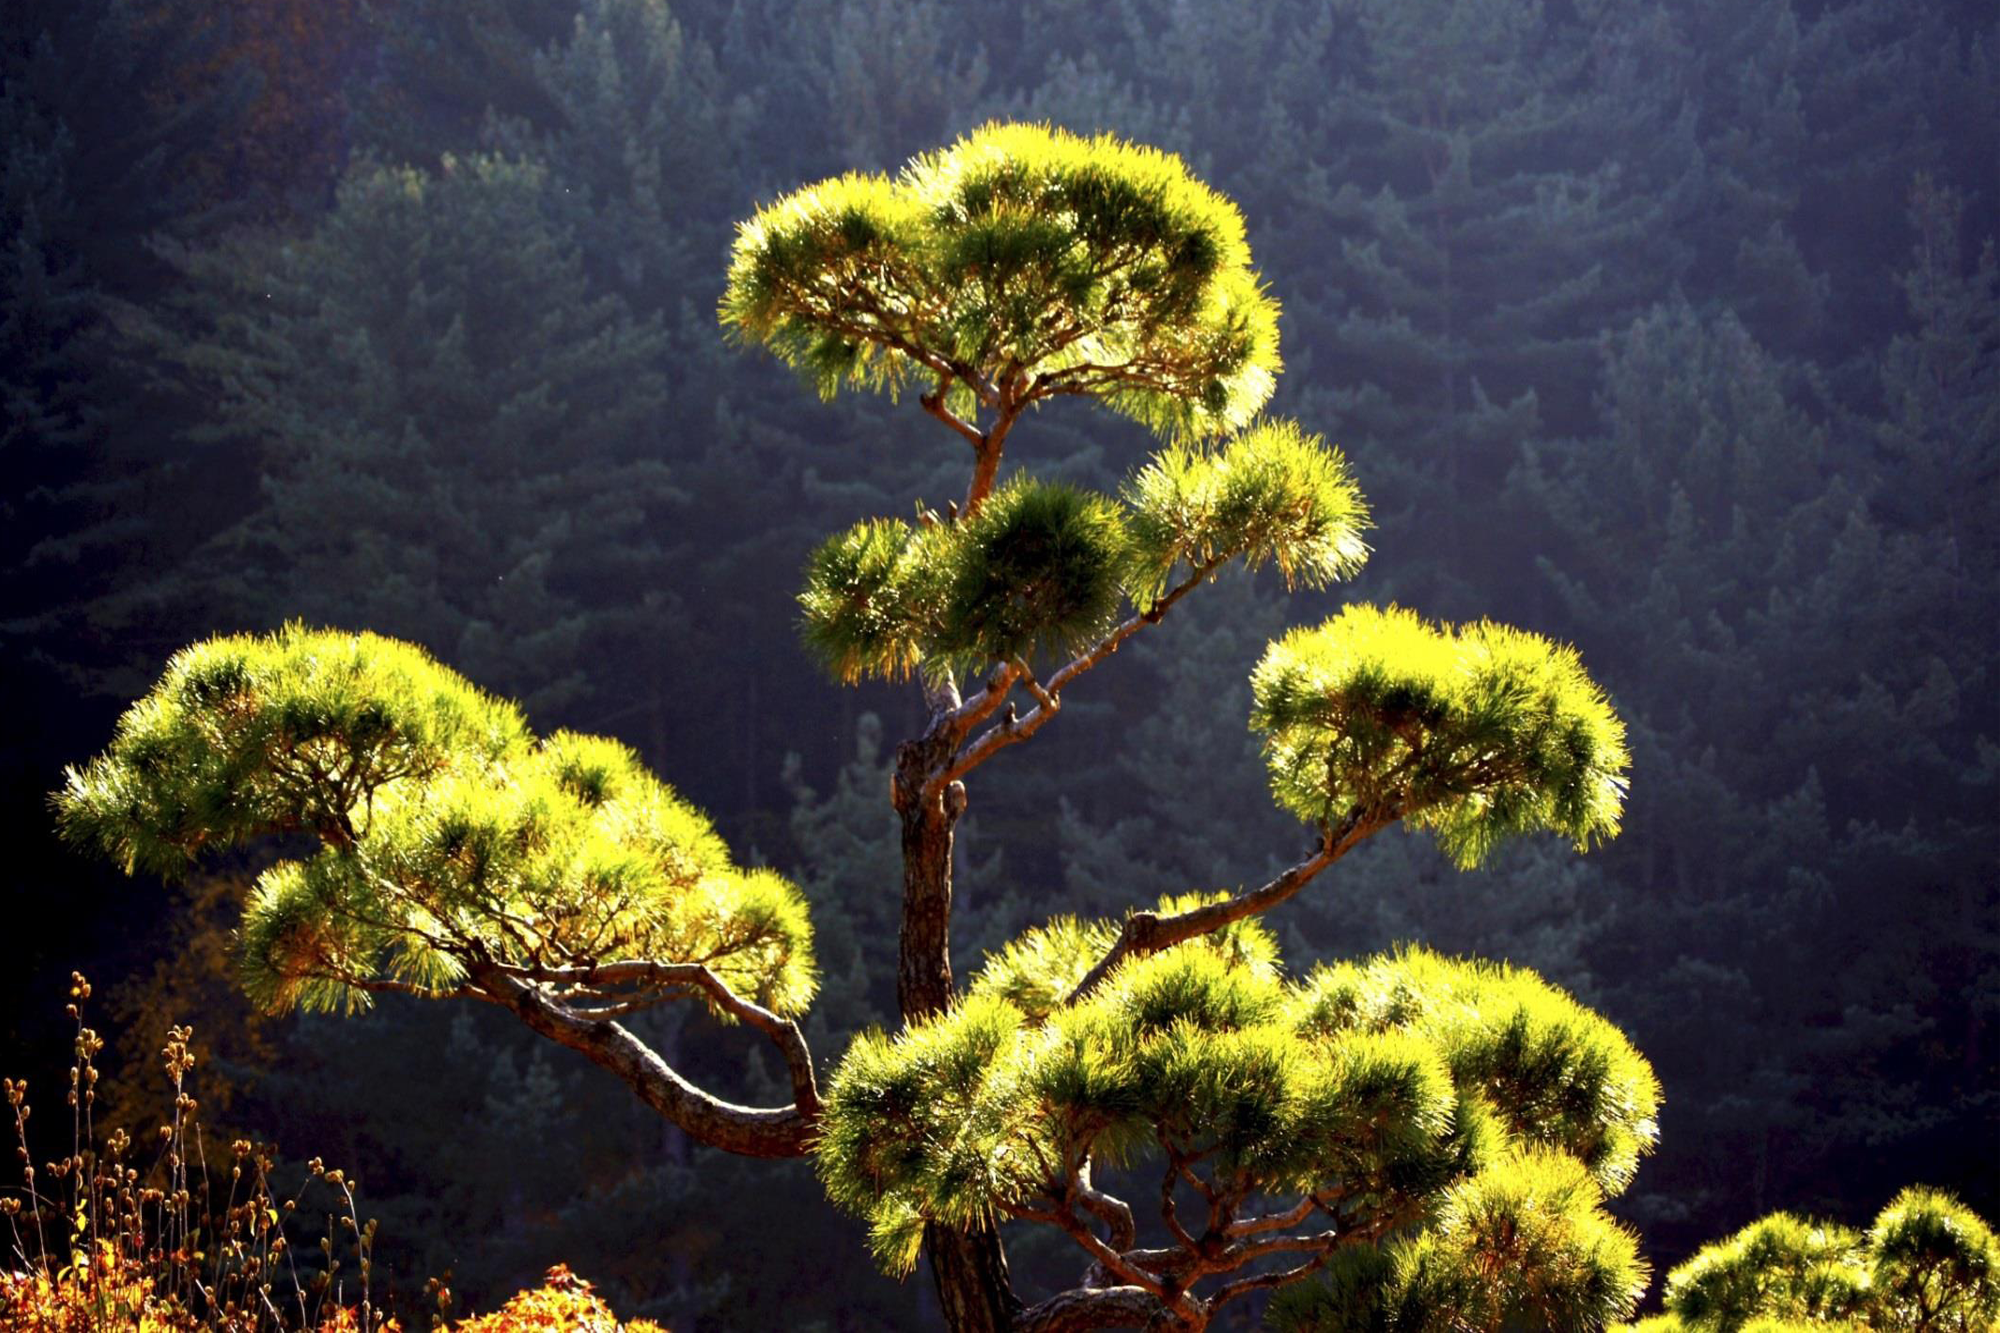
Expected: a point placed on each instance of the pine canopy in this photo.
(1928, 1264)
(1367, 1096)
(1021, 256)
(449, 835)
(1476, 733)
(1045, 568)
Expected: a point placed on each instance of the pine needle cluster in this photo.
(1928, 1264)
(1407, 1088)
(1044, 569)
(1477, 733)
(447, 832)
(1079, 265)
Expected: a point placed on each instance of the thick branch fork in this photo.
(657, 980)
(746, 1130)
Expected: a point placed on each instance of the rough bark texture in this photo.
(923, 958)
(970, 1268)
(1095, 1308)
(973, 1285)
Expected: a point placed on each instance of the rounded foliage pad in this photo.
(448, 833)
(1476, 733)
(1064, 264)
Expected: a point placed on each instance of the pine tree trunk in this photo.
(972, 1281)
(970, 1268)
(923, 955)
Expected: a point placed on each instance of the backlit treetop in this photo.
(1018, 265)
(1928, 1264)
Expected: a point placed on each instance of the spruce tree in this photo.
(1431, 1137)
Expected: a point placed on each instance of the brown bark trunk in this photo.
(970, 1268)
(923, 955)
(972, 1281)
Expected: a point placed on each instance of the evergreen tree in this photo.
(443, 68)
(460, 855)
(446, 416)
(1491, 219)
(1810, 689)
(1928, 1264)
(84, 186)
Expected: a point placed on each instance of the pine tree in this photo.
(1491, 219)
(1809, 686)
(1928, 1264)
(427, 385)
(84, 187)
(1429, 1134)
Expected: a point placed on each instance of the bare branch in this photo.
(1112, 1261)
(981, 705)
(1291, 1217)
(1034, 687)
(1172, 1214)
(1229, 1291)
(1243, 1254)
(934, 403)
(751, 1131)
(783, 1032)
(1114, 1212)
(1149, 932)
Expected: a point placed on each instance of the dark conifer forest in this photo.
(1666, 329)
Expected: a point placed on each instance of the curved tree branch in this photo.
(1014, 730)
(934, 403)
(750, 1131)
(783, 1032)
(1086, 1308)
(1114, 1212)
(1149, 932)
(1245, 1285)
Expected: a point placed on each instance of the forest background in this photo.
(1668, 329)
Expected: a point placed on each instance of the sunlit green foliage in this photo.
(1405, 1089)
(1476, 733)
(1555, 1073)
(1523, 1243)
(1068, 264)
(1928, 1264)
(1273, 493)
(1781, 1266)
(1045, 568)
(1936, 1264)
(448, 833)
(249, 736)
(870, 601)
(1040, 569)
(1041, 966)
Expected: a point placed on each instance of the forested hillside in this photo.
(1669, 329)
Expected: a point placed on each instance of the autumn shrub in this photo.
(564, 1303)
(101, 1242)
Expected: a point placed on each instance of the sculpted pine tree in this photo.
(1433, 1137)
